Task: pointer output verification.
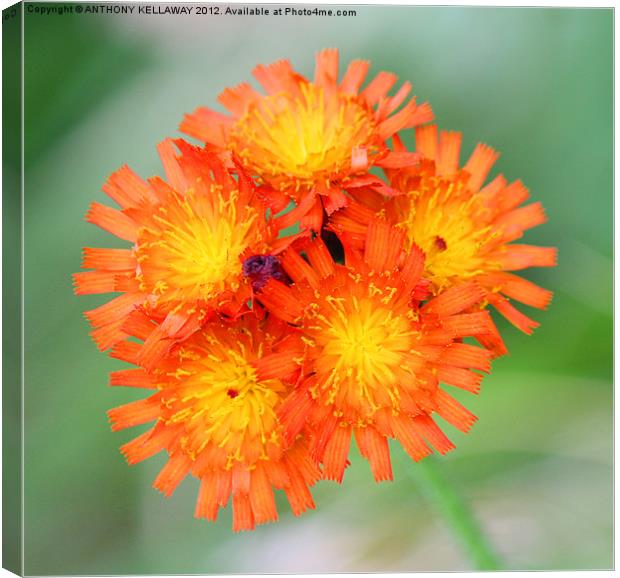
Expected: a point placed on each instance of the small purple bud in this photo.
(261, 268)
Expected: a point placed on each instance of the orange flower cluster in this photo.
(267, 354)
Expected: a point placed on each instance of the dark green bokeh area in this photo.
(536, 84)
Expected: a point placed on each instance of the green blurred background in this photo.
(537, 467)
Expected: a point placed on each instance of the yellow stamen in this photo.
(443, 219)
(225, 403)
(365, 345)
(295, 142)
(194, 252)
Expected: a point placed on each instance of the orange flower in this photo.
(307, 140)
(215, 405)
(373, 357)
(465, 230)
(189, 239)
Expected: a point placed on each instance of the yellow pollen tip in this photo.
(295, 142)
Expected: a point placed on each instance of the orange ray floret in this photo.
(190, 237)
(465, 230)
(307, 140)
(215, 408)
(374, 356)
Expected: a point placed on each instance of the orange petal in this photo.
(279, 299)
(275, 200)
(467, 324)
(383, 245)
(313, 219)
(288, 219)
(502, 198)
(323, 432)
(135, 413)
(493, 342)
(426, 140)
(206, 504)
(519, 257)
(278, 77)
(320, 258)
(398, 160)
(224, 487)
(240, 479)
(378, 87)
(114, 310)
(466, 356)
(517, 288)
(138, 325)
(459, 377)
(297, 493)
(515, 222)
(128, 189)
(406, 434)
(91, 282)
(108, 335)
(298, 269)
(132, 378)
(237, 99)
(243, 519)
(172, 474)
(149, 443)
(406, 117)
(298, 456)
(412, 269)
(428, 429)
(374, 447)
(277, 365)
(479, 165)
(336, 452)
(262, 498)
(174, 172)
(456, 299)
(518, 319)
(108, 259)
(354, 76)
(126, 351)
(423, 113)
(207, 125)
(294, 412)
(449, 152)
(112, 221)
(453, 412)
(277, 474)
(326, 70)
(393, 103)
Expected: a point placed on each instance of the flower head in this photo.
(465, 230)
(306, 140)
(215, 412)
(374, 356)
(190, 237)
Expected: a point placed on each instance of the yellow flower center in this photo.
(364, 348)
(305, 139)
(367, 341)
(450, 225)
(191, 251)
(217, 396)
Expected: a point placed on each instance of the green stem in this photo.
(456, 512)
